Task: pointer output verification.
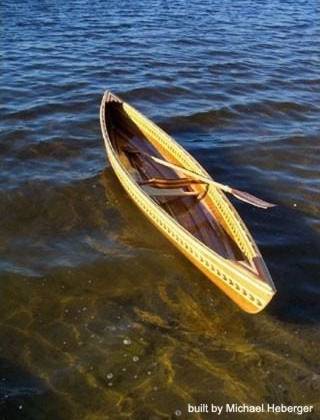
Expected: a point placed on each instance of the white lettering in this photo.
(201, 408)
(216, 409)
(247, 408)
(296, 409)
(231, 408)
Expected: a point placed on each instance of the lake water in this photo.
(101, 318)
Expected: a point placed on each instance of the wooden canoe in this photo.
(198, 219)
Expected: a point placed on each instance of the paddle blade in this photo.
(251, 199)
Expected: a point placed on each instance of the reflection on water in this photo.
(101, 316)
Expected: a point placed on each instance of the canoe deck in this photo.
(190, 211)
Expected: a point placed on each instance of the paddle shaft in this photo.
(205, 179)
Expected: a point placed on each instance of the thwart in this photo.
(187, 206)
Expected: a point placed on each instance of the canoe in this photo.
(195, 216)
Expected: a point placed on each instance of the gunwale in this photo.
(250, 289)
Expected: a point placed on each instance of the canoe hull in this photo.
(235, 281)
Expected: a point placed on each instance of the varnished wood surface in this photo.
(189, 211)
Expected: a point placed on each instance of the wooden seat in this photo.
(167, 192)
(171, 183)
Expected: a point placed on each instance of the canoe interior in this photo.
(191, 212)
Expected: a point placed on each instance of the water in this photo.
(101, 317)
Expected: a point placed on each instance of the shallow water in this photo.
(101, 316)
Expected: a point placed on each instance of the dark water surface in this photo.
(101, 318)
